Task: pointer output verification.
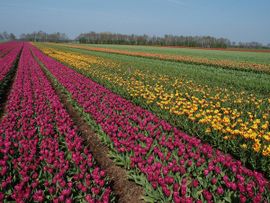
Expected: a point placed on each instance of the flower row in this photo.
(5, 48)
(42, 158)
(178, 166)
(232, 121)
(224, 63)
(7, 62)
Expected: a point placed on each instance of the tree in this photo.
(12, 36)
(41, 36)
(167, 40)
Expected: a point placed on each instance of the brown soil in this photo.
(126, 191)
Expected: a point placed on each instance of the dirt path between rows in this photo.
(126, 191)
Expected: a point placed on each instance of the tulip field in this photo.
(42, 156)
(258, 62)
(185, 128)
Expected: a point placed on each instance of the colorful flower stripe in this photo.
(4, 51)
(186, 59)
(180, 167)
(233, 115)
(8, 61)
(7, 47)
(42, 158)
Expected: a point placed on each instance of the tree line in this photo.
(4, 36)
(166, 40)
(44, 37)
(116, 38)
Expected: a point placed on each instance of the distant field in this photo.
(254, 82)
(267, 50)
(246, 63)
(256, 57)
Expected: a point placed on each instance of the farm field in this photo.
(183, 129)
(43, 158)
(188, 94)
(248, 61)
(251, 56)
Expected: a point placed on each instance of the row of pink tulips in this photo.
(5, 48)
(178, 166)
(7, 62)
(42, 158)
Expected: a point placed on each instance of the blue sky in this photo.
(237, 20)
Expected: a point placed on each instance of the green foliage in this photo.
(257, 84)
(255, 57)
